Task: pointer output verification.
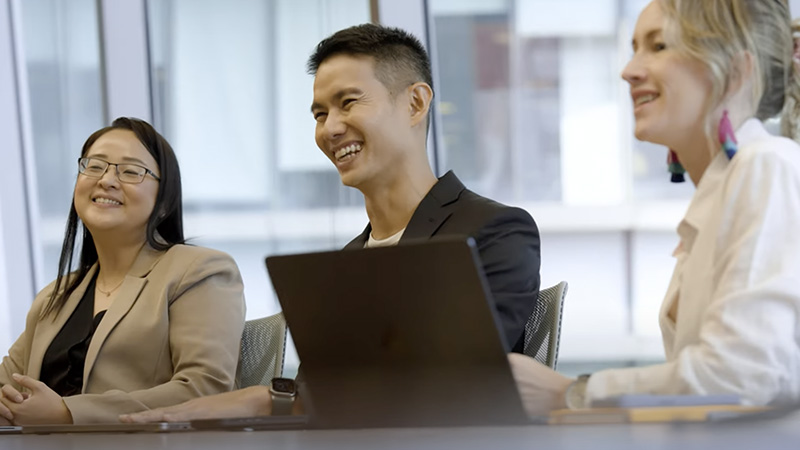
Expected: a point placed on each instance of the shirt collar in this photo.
(711, 181)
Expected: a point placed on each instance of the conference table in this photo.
(774, 433)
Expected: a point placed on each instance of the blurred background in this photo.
(530, 110)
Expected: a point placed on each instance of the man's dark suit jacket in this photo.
(507, 239)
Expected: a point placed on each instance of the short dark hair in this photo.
(164, 227)
(400, 58)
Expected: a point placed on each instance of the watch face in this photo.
(286, 385)
(576, 393)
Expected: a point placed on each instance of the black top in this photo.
(508, 245)
(62, 366)
(507, 240)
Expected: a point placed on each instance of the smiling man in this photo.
(372, 98)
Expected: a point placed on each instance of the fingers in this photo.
(179, 416)
(179, 413)
(518, 363)
(5, 413)
(154, 415)
(11, 394)
(518, 358)
(183, 412)
(27, 382)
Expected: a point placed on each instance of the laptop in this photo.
(402, 336)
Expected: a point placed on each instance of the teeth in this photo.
(106, 201)
(350, 149)
(645, 98)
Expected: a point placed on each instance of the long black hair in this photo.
(164, 227)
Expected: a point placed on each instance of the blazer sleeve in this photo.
(206, 319)
(17, 359)
(509, 250)
(748, 342)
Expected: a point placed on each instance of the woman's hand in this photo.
(541, 388)
(9, 394)
(248, 402)
(6, 418)
(41, 405)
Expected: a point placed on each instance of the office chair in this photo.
(543, 328)
(262, 351)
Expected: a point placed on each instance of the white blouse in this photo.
(736, 283)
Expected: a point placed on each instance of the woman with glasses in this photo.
(142, 320)
(703, 76)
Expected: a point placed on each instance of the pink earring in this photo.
(676, 170)
(726, 137)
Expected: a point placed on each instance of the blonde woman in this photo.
(143, 321)
(702, 77)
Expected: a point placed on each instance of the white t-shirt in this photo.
(388, 242)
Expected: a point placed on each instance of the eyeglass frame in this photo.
(147, 171)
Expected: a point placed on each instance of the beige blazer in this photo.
(172, 334)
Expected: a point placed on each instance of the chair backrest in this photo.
(543, 328)
(262, 351)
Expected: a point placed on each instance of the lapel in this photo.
(129, 291)
(360, 241)
(431, 212)
(47, 328)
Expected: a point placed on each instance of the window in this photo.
(533, 112)
(62, 61)
(232, 96)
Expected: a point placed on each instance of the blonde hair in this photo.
(790, 123)
(718, 32)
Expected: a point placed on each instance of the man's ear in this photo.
(420, 96)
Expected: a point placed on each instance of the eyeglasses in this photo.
(126, 173)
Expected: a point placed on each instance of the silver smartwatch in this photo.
(575, 396)
(283, 392)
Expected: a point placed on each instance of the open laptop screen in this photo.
(397, 336)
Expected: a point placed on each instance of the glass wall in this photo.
(532, 105)
(62, 62)
(534, 113)
(231, 94)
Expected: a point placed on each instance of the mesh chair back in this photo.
(543, 328)
(262, 351)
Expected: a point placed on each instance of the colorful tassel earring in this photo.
(676, 170)
(726, 136)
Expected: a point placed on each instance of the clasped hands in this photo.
(37, 404)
